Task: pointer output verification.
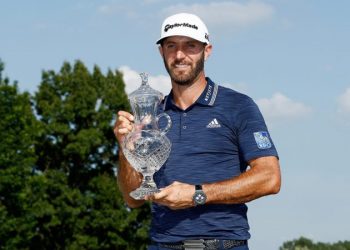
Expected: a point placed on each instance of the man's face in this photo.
(183, 58)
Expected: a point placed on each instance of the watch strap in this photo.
(199, 197)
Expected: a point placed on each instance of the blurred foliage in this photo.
(306, 244)
(58, 162)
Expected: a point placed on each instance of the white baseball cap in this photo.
(184, 24)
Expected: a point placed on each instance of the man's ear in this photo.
(207, 51)
(160, 50)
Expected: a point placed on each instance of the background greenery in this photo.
(306, 244)
(58, 162)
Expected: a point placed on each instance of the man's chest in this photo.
(203, 129)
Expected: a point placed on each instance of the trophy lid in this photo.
(145, 91)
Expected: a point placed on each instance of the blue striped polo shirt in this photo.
(212, 140)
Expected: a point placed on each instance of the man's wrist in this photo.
(121, 153)
(199, 197)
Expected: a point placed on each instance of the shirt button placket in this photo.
(184, 126)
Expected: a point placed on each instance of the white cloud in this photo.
(280, 107)
(132, 81)
(226, 13)
(344, 102)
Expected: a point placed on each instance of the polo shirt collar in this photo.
(207, 98)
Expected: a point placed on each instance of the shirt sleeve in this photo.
(253, 136)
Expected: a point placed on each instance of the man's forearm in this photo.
(128, 180)
(262, 179)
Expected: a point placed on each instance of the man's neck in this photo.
(185, 96)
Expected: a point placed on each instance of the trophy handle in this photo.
(168, 126)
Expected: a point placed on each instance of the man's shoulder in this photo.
(227, 94)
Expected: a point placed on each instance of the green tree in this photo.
(306, 244)
(16, 126)
(77, 110)
(57, 167)
(18, 130)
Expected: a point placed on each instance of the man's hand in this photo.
(128, 178)
(175, 196)
(123, 125)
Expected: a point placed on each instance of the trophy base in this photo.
(141, 192)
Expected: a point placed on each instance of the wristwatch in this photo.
(199, 196)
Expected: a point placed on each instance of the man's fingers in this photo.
(123, 131)
(123, 125)
(149, 197)
(159, 195)
(123, 119)
(123, 128)
(124, 122)
(127, 115)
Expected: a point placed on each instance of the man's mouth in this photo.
(181, 66)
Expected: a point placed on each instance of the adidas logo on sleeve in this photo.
(214, 124)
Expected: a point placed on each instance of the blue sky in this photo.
(291, 56)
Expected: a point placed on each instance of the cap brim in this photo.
(159, 41)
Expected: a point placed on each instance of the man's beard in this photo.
(186, 79)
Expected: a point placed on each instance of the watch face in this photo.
(199, 198)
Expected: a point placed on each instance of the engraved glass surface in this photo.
(146, 147)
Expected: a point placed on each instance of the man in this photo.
(216, 134)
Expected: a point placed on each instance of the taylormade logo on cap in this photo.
(184, 24)
(170, 26)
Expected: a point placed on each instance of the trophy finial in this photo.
(144, 78)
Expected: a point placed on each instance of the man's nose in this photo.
(180, 53)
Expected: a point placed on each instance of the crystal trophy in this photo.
(146, 147)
